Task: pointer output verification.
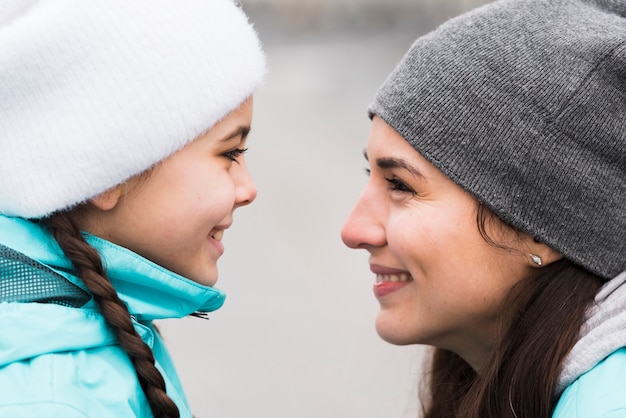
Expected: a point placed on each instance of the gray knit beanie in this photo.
(523, 104)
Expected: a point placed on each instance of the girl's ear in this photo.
(539, 254)
(107, 200)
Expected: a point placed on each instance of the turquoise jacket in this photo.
(592, 382)
(58, 357)
(599, 393)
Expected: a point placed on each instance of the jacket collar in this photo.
(150, 291)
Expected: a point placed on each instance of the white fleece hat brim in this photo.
(94, 92)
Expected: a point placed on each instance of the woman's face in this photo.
(438, 281)
(176, 216)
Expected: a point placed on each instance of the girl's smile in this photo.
(176, 215)
(216, 238)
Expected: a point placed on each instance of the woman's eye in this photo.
(396, 184)
(233, 154)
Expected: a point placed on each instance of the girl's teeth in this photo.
(402, 277)
(218, 235)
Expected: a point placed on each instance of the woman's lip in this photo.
(382, 289)
(378, 269)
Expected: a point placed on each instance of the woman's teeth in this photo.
(217, 235)
(402, 277)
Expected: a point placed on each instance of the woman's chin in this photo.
(393, 333)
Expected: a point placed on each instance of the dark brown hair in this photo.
(89, 269)
(523, 368)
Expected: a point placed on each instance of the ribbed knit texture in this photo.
(523, 104)
(94, 92)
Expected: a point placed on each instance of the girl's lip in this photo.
(217, 242)
(218, 245)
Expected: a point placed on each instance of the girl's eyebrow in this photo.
(241, 132)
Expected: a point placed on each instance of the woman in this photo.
(494, 212)
(124, 125)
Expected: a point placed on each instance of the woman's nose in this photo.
(364, 227)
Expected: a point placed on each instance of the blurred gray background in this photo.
(296, 335)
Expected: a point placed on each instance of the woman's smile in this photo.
(427, 252)
(388, 280)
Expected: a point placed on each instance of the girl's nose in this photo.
(245, 189)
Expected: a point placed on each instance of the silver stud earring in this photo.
(536, 259)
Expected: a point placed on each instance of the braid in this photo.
(89, 267)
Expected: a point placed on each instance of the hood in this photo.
(603, 332)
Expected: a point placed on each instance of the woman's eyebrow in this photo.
(389, 162)
(385, 163)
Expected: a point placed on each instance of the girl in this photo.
(494, 213)
(124, 125)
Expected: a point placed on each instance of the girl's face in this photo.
(438, 281)
(177, 215)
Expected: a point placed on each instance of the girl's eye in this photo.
(396, 184)
(233, 154)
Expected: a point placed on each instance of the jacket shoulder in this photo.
(99, 382)
(599, 393)
(44, 409)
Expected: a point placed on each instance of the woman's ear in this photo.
(108, 200)
(539, 254)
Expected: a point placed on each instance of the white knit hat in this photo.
(93, 92)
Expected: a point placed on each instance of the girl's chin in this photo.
(208, 280)
(206, 276)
